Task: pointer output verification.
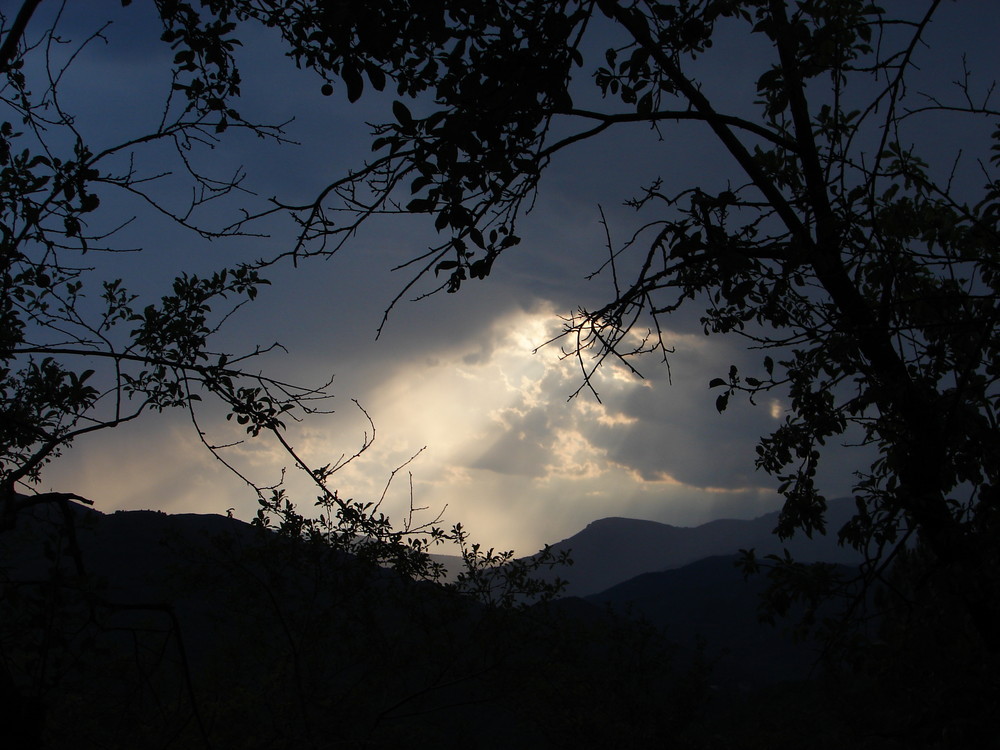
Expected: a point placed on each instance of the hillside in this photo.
(193, 631)
(613, 550)
(196, 630)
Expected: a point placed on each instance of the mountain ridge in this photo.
(610, 551)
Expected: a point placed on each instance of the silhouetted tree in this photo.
(871, 274)
(81, 353)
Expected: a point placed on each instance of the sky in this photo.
(459, 379)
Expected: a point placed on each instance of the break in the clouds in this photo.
(510, 455)
(506, 453)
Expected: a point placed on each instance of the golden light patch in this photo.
(665, 478)
(575, 457)
(601, 414)
(622, 375)
(738, 490)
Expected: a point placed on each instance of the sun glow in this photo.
(497, 445)
(776, 409)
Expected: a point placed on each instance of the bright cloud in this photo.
(506, 452)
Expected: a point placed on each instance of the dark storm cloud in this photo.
(677, 429)
(454, 372)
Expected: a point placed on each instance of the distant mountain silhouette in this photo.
(710, 601)
(685, 580)
(281, 639)
(613, 550)
(277, 644)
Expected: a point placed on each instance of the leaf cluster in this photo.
(868, 277)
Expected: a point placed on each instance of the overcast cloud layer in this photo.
(506, 453)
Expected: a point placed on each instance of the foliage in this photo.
(82, 352)
(934, 683)
(495, 579)
(866, 269)
(267, 639)
(498, 579)
(868, 273)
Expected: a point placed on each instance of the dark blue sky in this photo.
(506, 453)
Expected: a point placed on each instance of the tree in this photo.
(868, 274)
(82, 353)
(79, 351)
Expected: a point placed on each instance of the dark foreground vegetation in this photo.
(195, 631)
(203, 631)
(841, 239)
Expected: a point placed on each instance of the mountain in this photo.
(194, 630)
(612, 550)
(709, 601)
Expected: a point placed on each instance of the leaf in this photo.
(460, 217)
(419, 184)
(482, 267)
(420, 205)
(375, 76)
(739, 292)
(645, 104)
(354, 82)
(445, 265)
(716, 382)
(402, 113)
(722, 402)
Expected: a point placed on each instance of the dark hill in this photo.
(711, 601)
(191, 627)
(612, 550)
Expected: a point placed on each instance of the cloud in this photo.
(156, 465)
(524, 446)
(506, 452)
(650, 428)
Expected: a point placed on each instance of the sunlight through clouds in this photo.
(777, 410)
(507, 450)
(508, 453)
(574, 457)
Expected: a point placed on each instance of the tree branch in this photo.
(607, 120)
(8, 50)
